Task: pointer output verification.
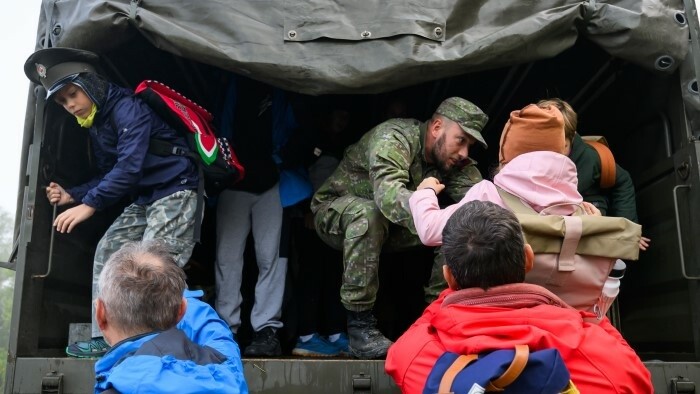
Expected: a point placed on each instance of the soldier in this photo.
(363, 206)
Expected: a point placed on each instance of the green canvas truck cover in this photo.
(304, 45)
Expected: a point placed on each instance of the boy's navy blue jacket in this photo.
(120, 136)
(199, 356)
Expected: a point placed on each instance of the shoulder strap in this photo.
(449, 377)
(519, 207)
(522, 353)
(165, 148)
(607, 164)
(570, 389)
(516, 367)
(514, 202)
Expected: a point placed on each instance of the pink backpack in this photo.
(574, 254)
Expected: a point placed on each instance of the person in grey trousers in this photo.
(252, 204)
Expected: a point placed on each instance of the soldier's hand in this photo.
(431, 183)
(57, 195)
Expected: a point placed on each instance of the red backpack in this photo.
(218, 165)
(214, 155)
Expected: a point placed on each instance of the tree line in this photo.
(7, 284)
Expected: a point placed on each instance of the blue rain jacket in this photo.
(198, 356)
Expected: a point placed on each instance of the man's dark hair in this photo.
(483, 246)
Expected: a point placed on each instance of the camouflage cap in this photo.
(469, 117)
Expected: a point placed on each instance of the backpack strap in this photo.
(519, 207)
(514, 202)
(522, 353)
(572, 235)
(570, 389)
(449, 377)
(165, 148)
(607, 163)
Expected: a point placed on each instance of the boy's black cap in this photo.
(56, 67)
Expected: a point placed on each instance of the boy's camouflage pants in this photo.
(357, 227)
(170, 219)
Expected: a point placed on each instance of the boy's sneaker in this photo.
(317, 346)
(95, 347)
(264, 344)
(342, 345)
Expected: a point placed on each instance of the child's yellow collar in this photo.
(87, 122)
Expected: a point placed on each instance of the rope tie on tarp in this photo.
(48, 11)
(588, 11)
(133, 6)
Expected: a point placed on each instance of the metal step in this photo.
(293, 375)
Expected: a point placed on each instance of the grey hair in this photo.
(141, 287)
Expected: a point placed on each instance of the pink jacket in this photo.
(541, 179)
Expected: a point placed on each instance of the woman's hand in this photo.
(590, 209)
(644, 243)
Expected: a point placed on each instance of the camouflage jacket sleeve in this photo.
(457, 183)
(390, 156)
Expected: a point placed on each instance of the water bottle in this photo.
(611, 289)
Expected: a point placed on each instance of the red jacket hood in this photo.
(474, 320)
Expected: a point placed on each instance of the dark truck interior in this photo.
(639, 111)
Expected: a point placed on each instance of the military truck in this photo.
(629, 68)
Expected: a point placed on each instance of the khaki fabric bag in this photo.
(574, 254)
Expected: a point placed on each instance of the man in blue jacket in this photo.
(139, 304)
(162, 189)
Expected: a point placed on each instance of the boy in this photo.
(120, 125)
(488, 307)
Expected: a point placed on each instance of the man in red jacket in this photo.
(487, 306)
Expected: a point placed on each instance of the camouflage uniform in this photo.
(363, 207)
(169, 219)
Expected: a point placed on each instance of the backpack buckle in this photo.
(179, 151)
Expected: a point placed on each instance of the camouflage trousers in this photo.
(169, 219)
(358, 228)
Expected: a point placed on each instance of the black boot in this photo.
(265, 344)
(366, 341)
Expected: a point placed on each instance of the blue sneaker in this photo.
(317, 346)
(95, 347)
(342, 345)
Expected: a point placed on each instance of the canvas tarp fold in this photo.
(371, 46)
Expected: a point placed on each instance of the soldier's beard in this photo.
(436, 154)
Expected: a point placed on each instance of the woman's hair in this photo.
(567, 112)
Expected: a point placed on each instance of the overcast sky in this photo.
(17, 37)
